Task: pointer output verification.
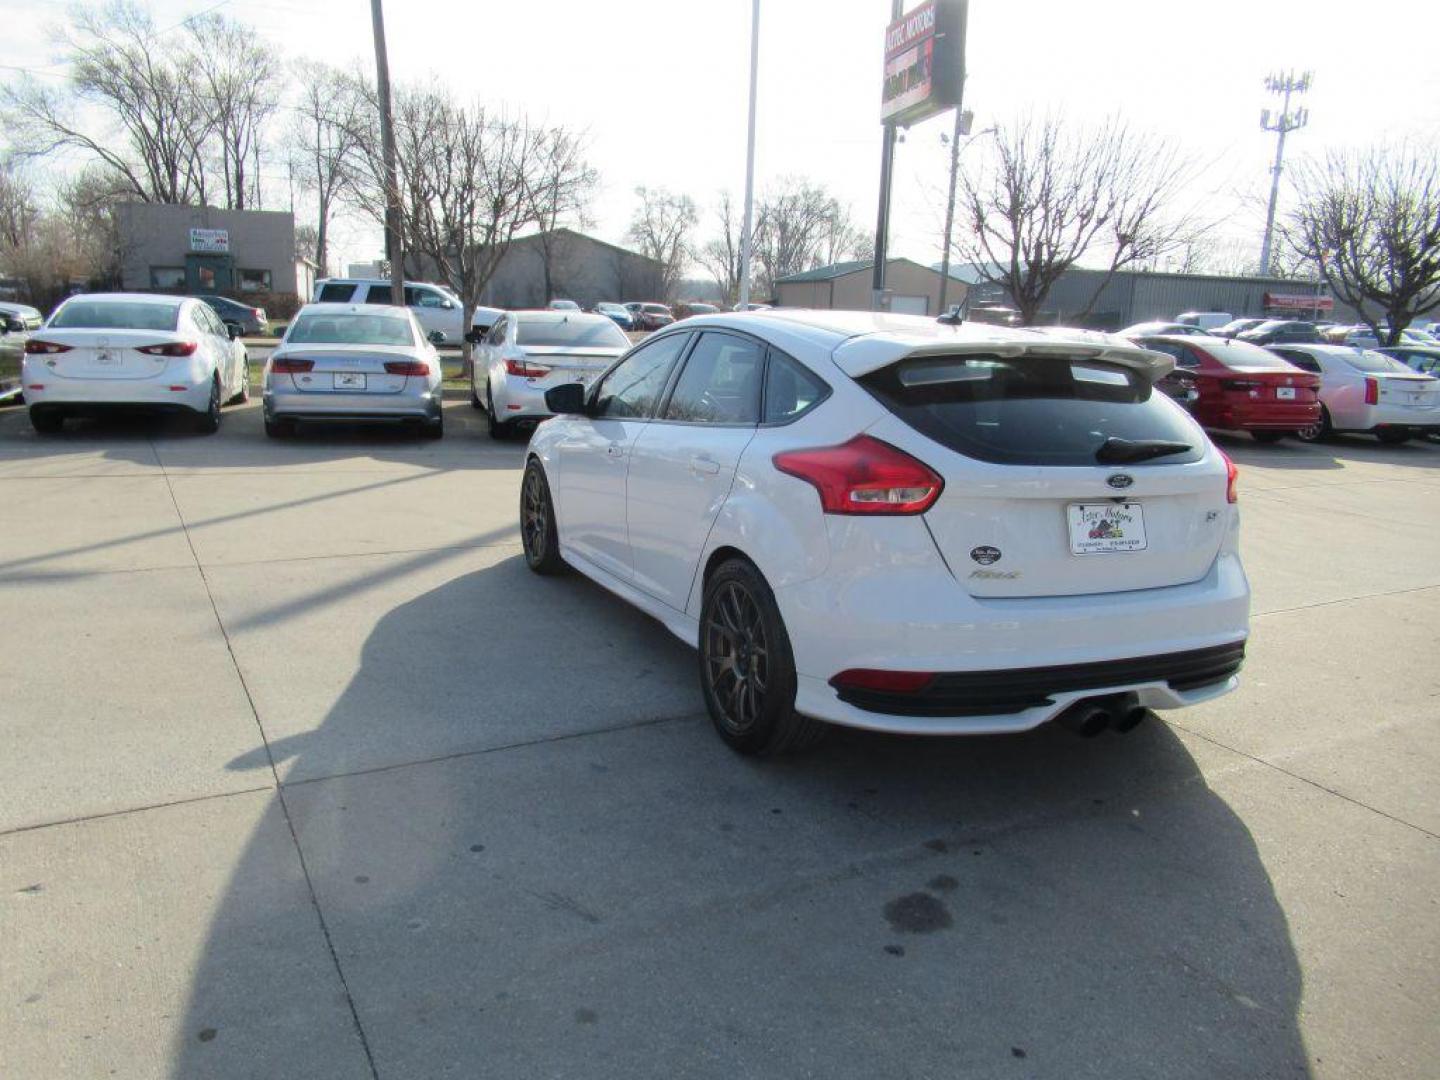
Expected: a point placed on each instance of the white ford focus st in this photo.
(892, 523)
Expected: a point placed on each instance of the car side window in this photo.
(720, 383)
(425, 298)
(336, 293)
(632, 389)
(377, 294)
(791, 389)
(1304, 361)
(497, 332)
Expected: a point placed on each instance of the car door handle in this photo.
(614, 449)
(704, 465)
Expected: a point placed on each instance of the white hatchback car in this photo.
(1362, 390)
(890, 523)
(133, 351)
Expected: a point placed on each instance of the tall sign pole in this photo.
(887, 169)
(746, 238)
(394, 239)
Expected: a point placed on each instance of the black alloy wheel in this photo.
(538, 536)
(1316, 431)
(747, 670)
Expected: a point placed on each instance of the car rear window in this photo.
(1374, 362)
(1242, 357)
(569, 332)
(317, 328)
(1031, 410)
(116, 315)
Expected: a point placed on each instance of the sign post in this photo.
(924, 75)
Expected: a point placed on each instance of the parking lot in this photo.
(304, 775)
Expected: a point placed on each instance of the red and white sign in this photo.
(1298, 302)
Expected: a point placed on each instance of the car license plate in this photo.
(1285, 393)
(106, 358)
(349, 380)
(1096, 528)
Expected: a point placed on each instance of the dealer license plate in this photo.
(1096, 528)
(1285, 393)
(349, 380)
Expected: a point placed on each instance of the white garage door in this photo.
(909, 305)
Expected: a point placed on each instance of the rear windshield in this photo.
(1031, 410)
(573, 333)
(314, 328)
(116, 315)
(1375, 362)
(1244, 357)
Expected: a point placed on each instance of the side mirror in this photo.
(233, 329)
(567, 399)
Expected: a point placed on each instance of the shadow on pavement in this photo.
(1336, 452)
(640, 902)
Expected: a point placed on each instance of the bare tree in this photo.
(720, 255)
(19, 207)
(159, 118)
(796, 222)
(661, 230)
(1052, 193)
(331, 122)
(1370, 221)
(240, 77)
(564, 185)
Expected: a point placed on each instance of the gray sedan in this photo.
(346, 362)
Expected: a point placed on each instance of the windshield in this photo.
(371, 328)
(116, 315)
(1032, 410)
(571, 332)
(1375, 362)
(1242, 357)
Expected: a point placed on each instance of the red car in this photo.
(1244, 387)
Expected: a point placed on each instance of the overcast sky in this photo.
(660, 85)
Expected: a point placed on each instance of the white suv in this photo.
(438, 310)
(891, 523)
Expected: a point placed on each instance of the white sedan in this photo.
(527, 352)
(890, 523)
(1362, 390)
(133, 351)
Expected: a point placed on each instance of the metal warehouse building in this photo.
(1133, 296)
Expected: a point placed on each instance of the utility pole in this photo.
(394, 241)
(882, 217)
(747, 240)
(962, 127)
(1283, 84)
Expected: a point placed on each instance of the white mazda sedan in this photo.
(891, 523)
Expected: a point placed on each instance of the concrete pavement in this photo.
(303, 775)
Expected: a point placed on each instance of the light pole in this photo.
(395, 242)
(1285, 122)
(746, 239)
(963, 120)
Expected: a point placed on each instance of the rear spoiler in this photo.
(861, 355)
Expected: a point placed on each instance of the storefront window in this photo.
(205, 277)
(254, 280)
(167, 277)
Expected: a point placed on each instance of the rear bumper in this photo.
(401, 406)
(1263, 418)
(519, 399)
(76, 397)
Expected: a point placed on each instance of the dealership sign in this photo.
(1298, 302)
(217, 240)
(924, 62)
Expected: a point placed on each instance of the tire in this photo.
(740, 626)
(1317, 431)
(1268, 436)
(46, 422)
(475, 402)
(499, 429)
(1393, 436)
(208, 422)
(279, 429)
(243, 394)
(538, 535)
(434, 429)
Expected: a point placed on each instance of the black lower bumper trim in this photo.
(1012, 690)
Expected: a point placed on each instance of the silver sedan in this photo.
(345, 362)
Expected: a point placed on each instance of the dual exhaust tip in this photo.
(1115, 712)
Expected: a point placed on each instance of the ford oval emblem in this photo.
(1120, 480)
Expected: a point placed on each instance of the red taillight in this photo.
(1372, 391)
(170, 348)
(259, 313)
(515, 366)
(36, 347)
(864, 476)
(1232, 476)
(407, 367)
(886, 682)
(286, 366)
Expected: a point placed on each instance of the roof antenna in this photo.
(957, 313)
